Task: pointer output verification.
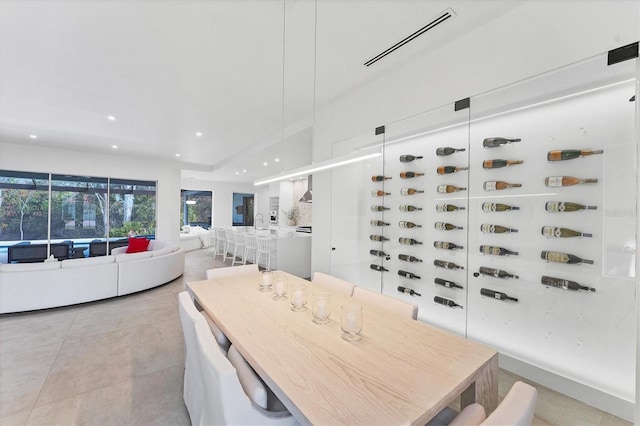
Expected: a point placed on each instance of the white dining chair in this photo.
(229, 239)
(218, 334)
(517, 408)
(264, 249)
(333, 284)
(250, 245)
(389, 303)
(238, 247)
(231, 270)
(226, 402)
(193, 393)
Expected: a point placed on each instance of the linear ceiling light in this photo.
(323, 165)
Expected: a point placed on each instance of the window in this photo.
(242, 213)
(132, 208)
(195, 208)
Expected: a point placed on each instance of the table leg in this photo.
(485, 388)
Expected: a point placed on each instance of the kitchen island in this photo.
(290, 251)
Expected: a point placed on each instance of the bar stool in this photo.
(238, 247)
(250, 245)
(229, 243)
(212, 242)
(264, 248)
(221, 242)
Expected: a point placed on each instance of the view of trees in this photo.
(197, 206)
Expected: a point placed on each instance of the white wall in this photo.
(31, 158)
(536, 37)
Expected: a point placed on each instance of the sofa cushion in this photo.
(137, 245)
(21, 267)
(127, 257)
(89, 261)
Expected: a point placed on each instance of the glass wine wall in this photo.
(517, 229)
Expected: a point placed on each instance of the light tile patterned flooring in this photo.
(120, 362)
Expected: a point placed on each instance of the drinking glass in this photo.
(351, 322)
(279, 288)
(321, 308)
(266, 280)
(298, 297)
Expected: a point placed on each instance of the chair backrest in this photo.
(250, 241)
(193, 386)
(218, 334)
(264, 244)
(239, 238)
(229, 236)
(226, 403)
(517, 408)
(389, 303)
(231, 270)
(333, 284)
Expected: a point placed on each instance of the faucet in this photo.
(255, 220)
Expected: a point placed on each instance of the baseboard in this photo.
(594, 397)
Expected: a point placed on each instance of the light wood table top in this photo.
(401, 372)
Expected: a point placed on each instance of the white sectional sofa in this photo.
(30, 286)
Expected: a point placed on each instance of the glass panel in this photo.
(581, 111)
(435, 217)
(196, 207)
(24, 207)
(242, 209)
(78, 212)
(352, 201)
(132, 208)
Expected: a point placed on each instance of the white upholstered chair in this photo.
(225, 401)
(231, 270)
(333, 284)
(517, 409)
(389, 303)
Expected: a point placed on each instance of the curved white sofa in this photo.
(30, 286)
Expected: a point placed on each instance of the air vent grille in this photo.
(442, 17)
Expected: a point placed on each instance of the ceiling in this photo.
(210, 80)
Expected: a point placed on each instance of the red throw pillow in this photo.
(136, 245)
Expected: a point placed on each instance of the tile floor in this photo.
(120, 362)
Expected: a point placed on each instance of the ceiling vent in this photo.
(442, 17)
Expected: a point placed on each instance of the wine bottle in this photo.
(496, 142)
(570, 154)
(555, 206)
(447, 189)
(498, 273)
(379, 178)
(408, 258)
(446, 245)
(409, 241)
(379, 208)
(409, 208)
(498, 251)
(495, 229)
(446, 302)
(498, 207)
(496, 164)
(409, 175)
(405, 224)
(556, 181)
(447, 150)
(446, 265)
(407, 158)
(445, 170)
(378, 238)
(551, 231)
(408, 274)
(448, 208)
(554, 256)
(410, 191)
(378, 223)
(408, 291)
(378, 268)
(446, 283)
(442, 226)
(497, 185)
(496, 294)
(379, 253)
(564, 284)
(378, 193)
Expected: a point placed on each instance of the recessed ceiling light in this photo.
(33, 136)
(177, 155)
(198, 134)
(111, 118)
(114, 146)
(276, 160)
(265, 164)
(244, 170)
(237, 173)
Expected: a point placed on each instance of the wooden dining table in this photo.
(402, 371)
